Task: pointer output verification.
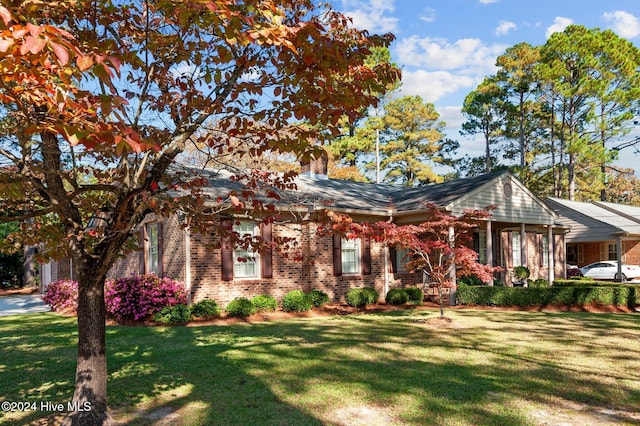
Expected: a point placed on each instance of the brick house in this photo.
(599, 231)
(521, 231)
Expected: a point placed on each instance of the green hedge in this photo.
(557, 295)
(584, 282)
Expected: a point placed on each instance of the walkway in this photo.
(22, 304)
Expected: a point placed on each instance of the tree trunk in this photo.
(441, 302)
(90, 397)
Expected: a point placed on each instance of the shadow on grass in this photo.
(304, 372)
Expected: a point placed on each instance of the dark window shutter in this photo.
(394, 259)
(160, 245)
(509, 260)
(337, 255)
(266, 256)
(366, 256)
(227, 252)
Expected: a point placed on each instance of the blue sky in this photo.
(446, 47)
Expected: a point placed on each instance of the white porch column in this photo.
(551, 262)
(489, 247)
(523, 245)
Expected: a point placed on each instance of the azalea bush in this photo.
(62, 296)
(139, 296)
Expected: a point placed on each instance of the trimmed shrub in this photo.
(415, 295)
(139, 296)
(176, 314)
(240, 307)
(539, 283)
(469, 280)
(370, 295)
(356, 298)
(318, 298)
(297, 301)
(573, 296)
(396, 296)
(206, 308)
(584, 282)
(264, 303)
(62, 296)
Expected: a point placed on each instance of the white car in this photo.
(608, 270)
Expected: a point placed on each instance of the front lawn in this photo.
(398, 368)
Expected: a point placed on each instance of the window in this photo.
(239, 263)
(575, 253)
(612, 252)
(245, 261)
(482, 247)
(545, 250)
(152, 238)
(350, 256)
(515, 248)
(402, 257)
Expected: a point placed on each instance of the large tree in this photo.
(485, 111)
(412, 142)
(102, 98)
(590, 80)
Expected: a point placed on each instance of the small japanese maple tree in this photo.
(439, 247)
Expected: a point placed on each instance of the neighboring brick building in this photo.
(599, 231)
(210, 269)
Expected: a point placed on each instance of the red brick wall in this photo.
(314, 272)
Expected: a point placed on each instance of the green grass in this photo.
(402, 368)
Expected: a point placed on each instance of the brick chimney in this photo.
(316, 168)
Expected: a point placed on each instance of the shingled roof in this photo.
(361, 196)
(596, 220)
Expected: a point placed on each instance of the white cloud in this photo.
(432, 86)
(371, 15)
(428, 15)
(488, 1)
(559, 24)
(504, 27)
(623, 23)
(471, 54)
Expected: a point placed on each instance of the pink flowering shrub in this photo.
(138, 296)
(62, 296)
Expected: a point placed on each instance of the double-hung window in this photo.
(515, 248)
(351, 256)
(151, 256)
(402, 258)
(246, 262)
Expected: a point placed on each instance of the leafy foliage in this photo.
(396, 296)
(360, 297)
(297, 301)
(62, 296)
(415, 295)
(176, 315)
(102, 98)
(205, 308)
(264, 303)
(139, 296)
(240, 307)
(540, 296)
(318, 298)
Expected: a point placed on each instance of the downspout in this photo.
(182, 217)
